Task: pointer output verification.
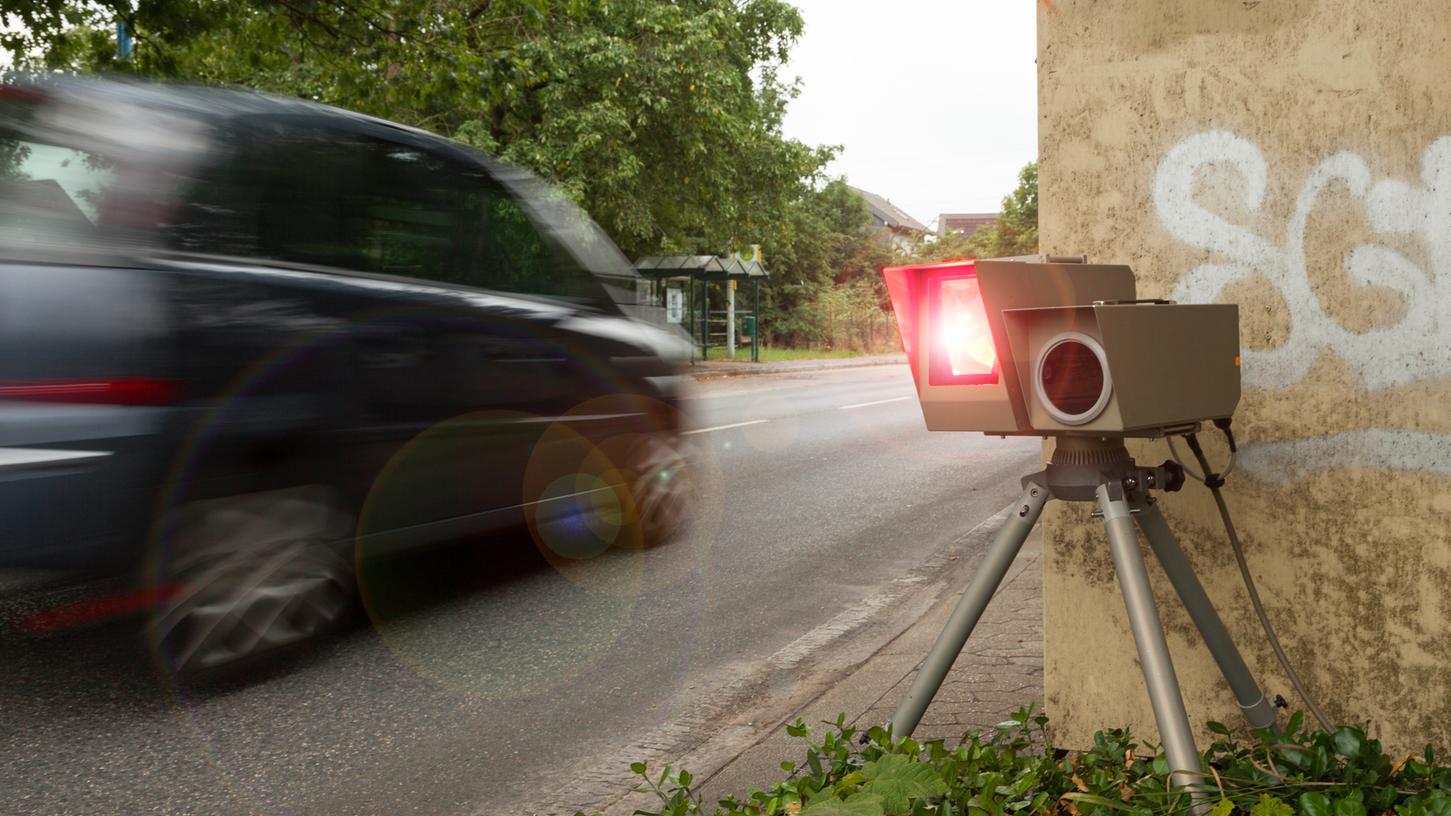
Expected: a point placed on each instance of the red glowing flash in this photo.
(962, 352)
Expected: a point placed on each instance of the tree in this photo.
(1014, 233)
(1016, 230)
(661, 117)
(826, 267)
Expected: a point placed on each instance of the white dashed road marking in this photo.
(724, 427)
(875, 402)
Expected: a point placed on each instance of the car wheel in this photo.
(247, 576)
(660, 489)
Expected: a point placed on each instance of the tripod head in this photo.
(1080, 464)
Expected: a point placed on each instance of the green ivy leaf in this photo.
(858, 805)
(1293, 726)
(1314, 804)
(1352, 804)
(1349, 741)
(1271, 806)
(899, 780)
(1436, 803)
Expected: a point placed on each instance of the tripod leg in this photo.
(1257, 710)
(1163, 685)
(1022, 515)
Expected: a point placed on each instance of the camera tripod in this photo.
(1101, 471)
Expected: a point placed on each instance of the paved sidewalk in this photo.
(1000, 670)
(716, 369)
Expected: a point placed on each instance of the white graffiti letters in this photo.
(1416, 347)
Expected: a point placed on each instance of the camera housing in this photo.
(1056, 347)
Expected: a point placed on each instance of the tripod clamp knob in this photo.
(1173, 476)
(1168, 477)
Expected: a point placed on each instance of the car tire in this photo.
(248, 577)
(658, 488)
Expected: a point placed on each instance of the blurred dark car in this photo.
(247, 341)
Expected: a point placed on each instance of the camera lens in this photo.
(1072, 382)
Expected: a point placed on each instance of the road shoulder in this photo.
(1000, 670)
(722, 369)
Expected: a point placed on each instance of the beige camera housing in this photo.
(1076, 354)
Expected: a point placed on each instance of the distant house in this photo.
(893, 227)
(965, 223)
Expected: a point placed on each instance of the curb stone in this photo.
(706, 370)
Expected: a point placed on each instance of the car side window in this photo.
(415, 214)
(372, 205)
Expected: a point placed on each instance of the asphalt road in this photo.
(485, 680)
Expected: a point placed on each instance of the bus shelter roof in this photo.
(700, 267)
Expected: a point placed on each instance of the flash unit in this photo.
(963, 351)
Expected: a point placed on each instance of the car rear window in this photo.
(50, 194)
(86, 174)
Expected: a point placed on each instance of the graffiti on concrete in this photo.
(1416, 347)
(1374, 448)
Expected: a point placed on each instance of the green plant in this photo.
(1014, 769)
(1015, 232)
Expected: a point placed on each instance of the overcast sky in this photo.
(934, 101)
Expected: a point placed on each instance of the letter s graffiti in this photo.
(1416, 347)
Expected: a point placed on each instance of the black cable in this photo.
(1214, 481)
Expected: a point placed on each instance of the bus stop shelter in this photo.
(694, 274)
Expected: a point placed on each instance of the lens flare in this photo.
(965, 334)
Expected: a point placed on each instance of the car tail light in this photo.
(15, 92)
(95, 610)
(114, 391)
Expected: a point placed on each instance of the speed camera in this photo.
(1058, 347)
(1055, 347)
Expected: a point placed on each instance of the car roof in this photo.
(212, 105)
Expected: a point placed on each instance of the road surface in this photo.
(484, 680)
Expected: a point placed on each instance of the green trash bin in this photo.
(748, 327)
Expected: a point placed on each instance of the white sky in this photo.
(935, 102)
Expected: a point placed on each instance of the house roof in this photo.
(889, 213)
(967, 222)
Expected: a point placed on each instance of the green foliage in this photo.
(1014, 233)
(662, 118)
(826, 269)
(1014, 769)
